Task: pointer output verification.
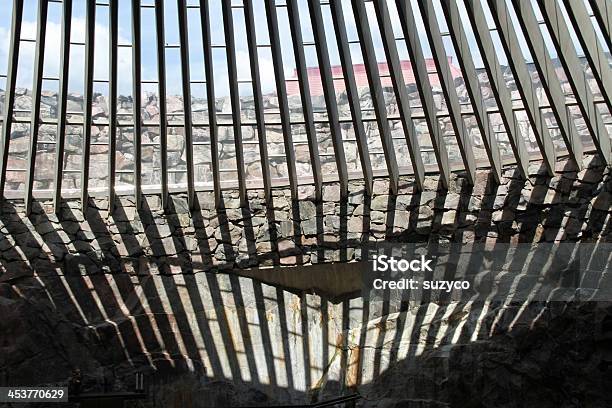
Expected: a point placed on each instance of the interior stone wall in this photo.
(572, 206)
(172, 294)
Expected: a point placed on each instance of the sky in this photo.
(148, 34)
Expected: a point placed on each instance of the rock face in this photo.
(162, 293)
(560, 361)
(209, 340)
(177, 148)
(572, 206)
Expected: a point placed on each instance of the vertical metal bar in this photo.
(448, 86)
(279, 74)
(594, 52)
(329, 92)
(62, 102)
(522, 76)
(161, 81)
(300, 58)
(39, 57)
(90, 27)
(602, 10)
(421, 76)
(549, 79)
(470, 76)
(568, 56)
(137, 104)
(230, 49)
(352, 94)
(258, 98)
(378, 99)
(186, 78)
(9, 96)
(113, 14)
(210, 96)
(498, 83)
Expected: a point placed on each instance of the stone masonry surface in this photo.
(572, 206)
(143, 290)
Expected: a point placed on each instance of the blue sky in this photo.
(195, 43)
(149, 70)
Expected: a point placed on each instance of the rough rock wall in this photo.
(144, 290)
(571, 206)
(176, 145)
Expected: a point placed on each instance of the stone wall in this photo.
(176, 146)
(161, 292)
(571, 206)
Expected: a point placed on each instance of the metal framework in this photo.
(593, 50)
(498, 83)
(329, 90)
(161, 81)
(258, 98)
(62, 102)
(281, 90)
(352, 95)
(378, 99)
(421, 77)
(112, 99)
(188, 117)
(470, 76)
(41, 28)
(90, 28)
(137, 107)
(436, 44)
(9, 93)
(210, 96)
(558, 88)
(601, 10)
(568, 57)
(549, 79)
(302, 74)
(228, 25)
(525, 87)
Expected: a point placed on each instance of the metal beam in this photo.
(568, 56)
(470, 76)
(62, 102)
(39, 57)
(352, 94)
(593, 50)
(302, 74)
(329, 92)
(522, 76)
(442, 63)
(230, 48)
(602, 10)
(9, 96)
(498, 83)
(279, 74)
(137, 104)
(210, 96)
(421, 76)
(378, 99)
(188, 118)
(549, 79)
(113, 14)
(90, 27)
(258, 99)
(161, 80)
